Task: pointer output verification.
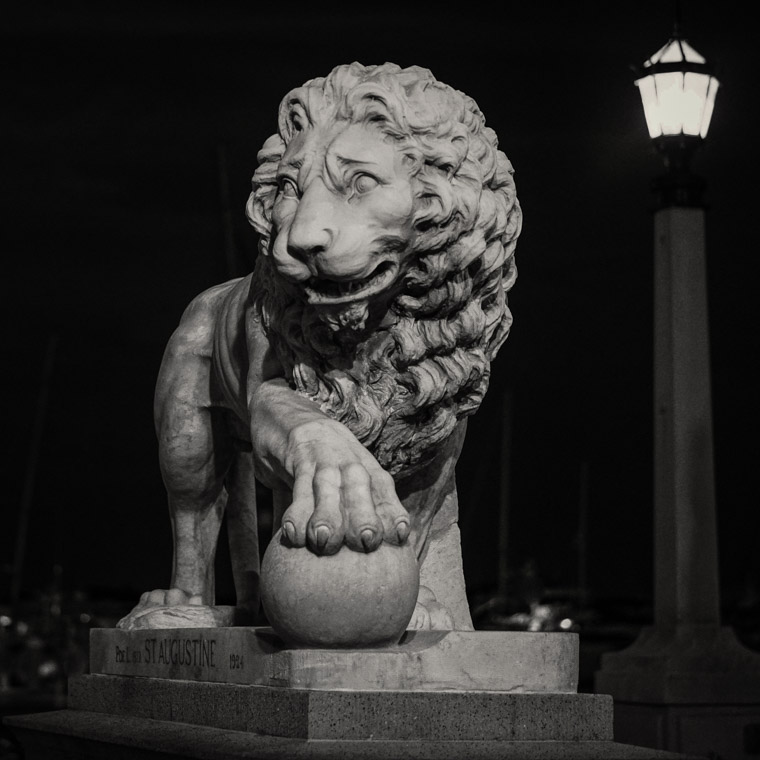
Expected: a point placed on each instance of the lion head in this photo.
(388, 221)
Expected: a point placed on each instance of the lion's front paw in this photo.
(340, 493)
(429, 614)
(174, 608)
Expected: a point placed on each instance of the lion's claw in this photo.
(321, 537)
(368, 539)
(290, 532)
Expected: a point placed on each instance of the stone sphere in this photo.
(347, 599)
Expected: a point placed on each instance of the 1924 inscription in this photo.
(191, 652)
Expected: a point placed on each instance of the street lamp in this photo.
(677, 88)
(685, 684)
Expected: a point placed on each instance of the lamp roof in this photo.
(675, 50)
(675, 55)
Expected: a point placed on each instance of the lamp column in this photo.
(685, 541)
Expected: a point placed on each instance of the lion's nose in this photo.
(311, 232)
(307, 242)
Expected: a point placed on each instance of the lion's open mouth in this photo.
(322, 290)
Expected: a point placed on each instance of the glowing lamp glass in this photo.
(677, 91)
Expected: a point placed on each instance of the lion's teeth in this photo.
(334, 289)
(352, 287)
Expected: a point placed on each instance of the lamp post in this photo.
(685, 684)
(678, 89)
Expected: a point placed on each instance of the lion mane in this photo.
(402, 384)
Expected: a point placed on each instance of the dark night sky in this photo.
(114, 120)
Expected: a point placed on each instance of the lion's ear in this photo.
(260, 202)
(258, 209)
(269, 158)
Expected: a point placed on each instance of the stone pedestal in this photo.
(690, 689)
(686, 684)
(77, 734)
(239, 692)
(336, 714)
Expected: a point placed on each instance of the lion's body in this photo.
(203, 428)
(357, 347)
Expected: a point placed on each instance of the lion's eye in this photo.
(364, 183)
(288, 188)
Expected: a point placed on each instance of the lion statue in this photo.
(341, 371)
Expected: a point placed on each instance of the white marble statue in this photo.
(341, 371)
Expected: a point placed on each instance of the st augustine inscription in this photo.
(196, 652)
(221, 654)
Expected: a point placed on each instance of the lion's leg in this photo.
(196, 520)
(193, 465)
(195, 452)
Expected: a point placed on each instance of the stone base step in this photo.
(75, 734)
(350, 715)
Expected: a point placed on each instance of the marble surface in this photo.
(340, 372)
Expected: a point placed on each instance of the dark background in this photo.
(130, 133)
